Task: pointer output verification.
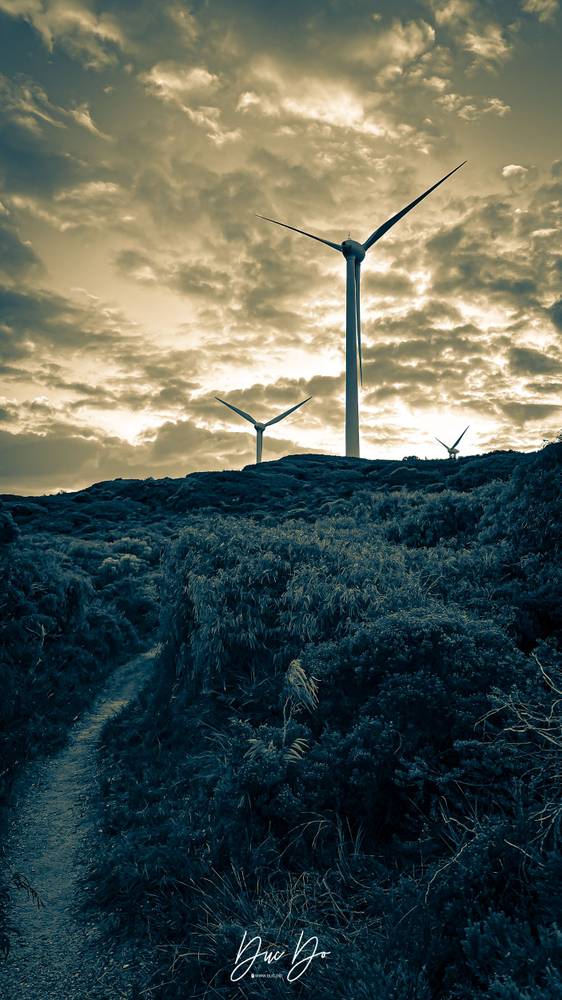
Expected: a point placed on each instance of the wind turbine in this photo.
(259, 427)
(453, 450)
(354, 254)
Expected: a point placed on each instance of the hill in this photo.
(353, 731)
(262, 489)
(81, 571)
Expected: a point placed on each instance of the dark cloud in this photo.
(464, 264)
(526, 361)
(29, 317)
(555, 312)
(31, 158)
(7, 411)
(94, 39)
(522, 413)
(17, 258)
(44, 461)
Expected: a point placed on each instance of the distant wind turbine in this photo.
(453, 450)
(354, 254)
(259, 427)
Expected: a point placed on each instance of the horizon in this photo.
(137, 147)
(61, 491)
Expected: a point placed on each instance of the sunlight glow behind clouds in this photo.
(138, 178)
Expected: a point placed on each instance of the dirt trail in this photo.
(57, 954)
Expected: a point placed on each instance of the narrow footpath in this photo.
(58, 952)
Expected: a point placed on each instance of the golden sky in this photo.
(138, 142)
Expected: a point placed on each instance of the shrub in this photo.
(348, 735)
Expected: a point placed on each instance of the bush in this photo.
(349, 735)
(56, 641)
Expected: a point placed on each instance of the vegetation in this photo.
(78, 594)
(72, 607)
(355, 733)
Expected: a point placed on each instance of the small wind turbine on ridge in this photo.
(258, 426)
(453, 450)
(354, 254)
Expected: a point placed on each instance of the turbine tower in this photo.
(259, 427)
(453, 450)
(354, 254)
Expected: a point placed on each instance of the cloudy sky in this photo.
(138, 142)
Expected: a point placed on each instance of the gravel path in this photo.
(58, 952)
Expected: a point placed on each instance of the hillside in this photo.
(272, 488)
(353, 730)
(81, 571)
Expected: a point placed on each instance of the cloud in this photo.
(190, 278)
(92, 204)
(446, 350)
(39, 458)
(26, 104)
(488, 46)
(174, 83)
(528, 361)
(301, 99)
(555, 312)
(530, 412)
(83, 116)
(93, 39)
(17, 257)
(514, 170)
(397, 45)
(452, 11)
(32, 319)
(470, 109)
(545, 10)
(33, 132)
(189, 90)
(67, 457)
(138, 182)
(501, 250)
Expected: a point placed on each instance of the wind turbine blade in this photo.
(399, 215)
(241, 413)
(461, 437)
(446, 446)
(286, 413)
(358, 314)
(336, 246)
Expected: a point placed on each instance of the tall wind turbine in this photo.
(259, 427)
(354, 254)
(453, 450)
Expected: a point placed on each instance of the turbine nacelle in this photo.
(258, 425)
(453, 450)
(351, 248)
